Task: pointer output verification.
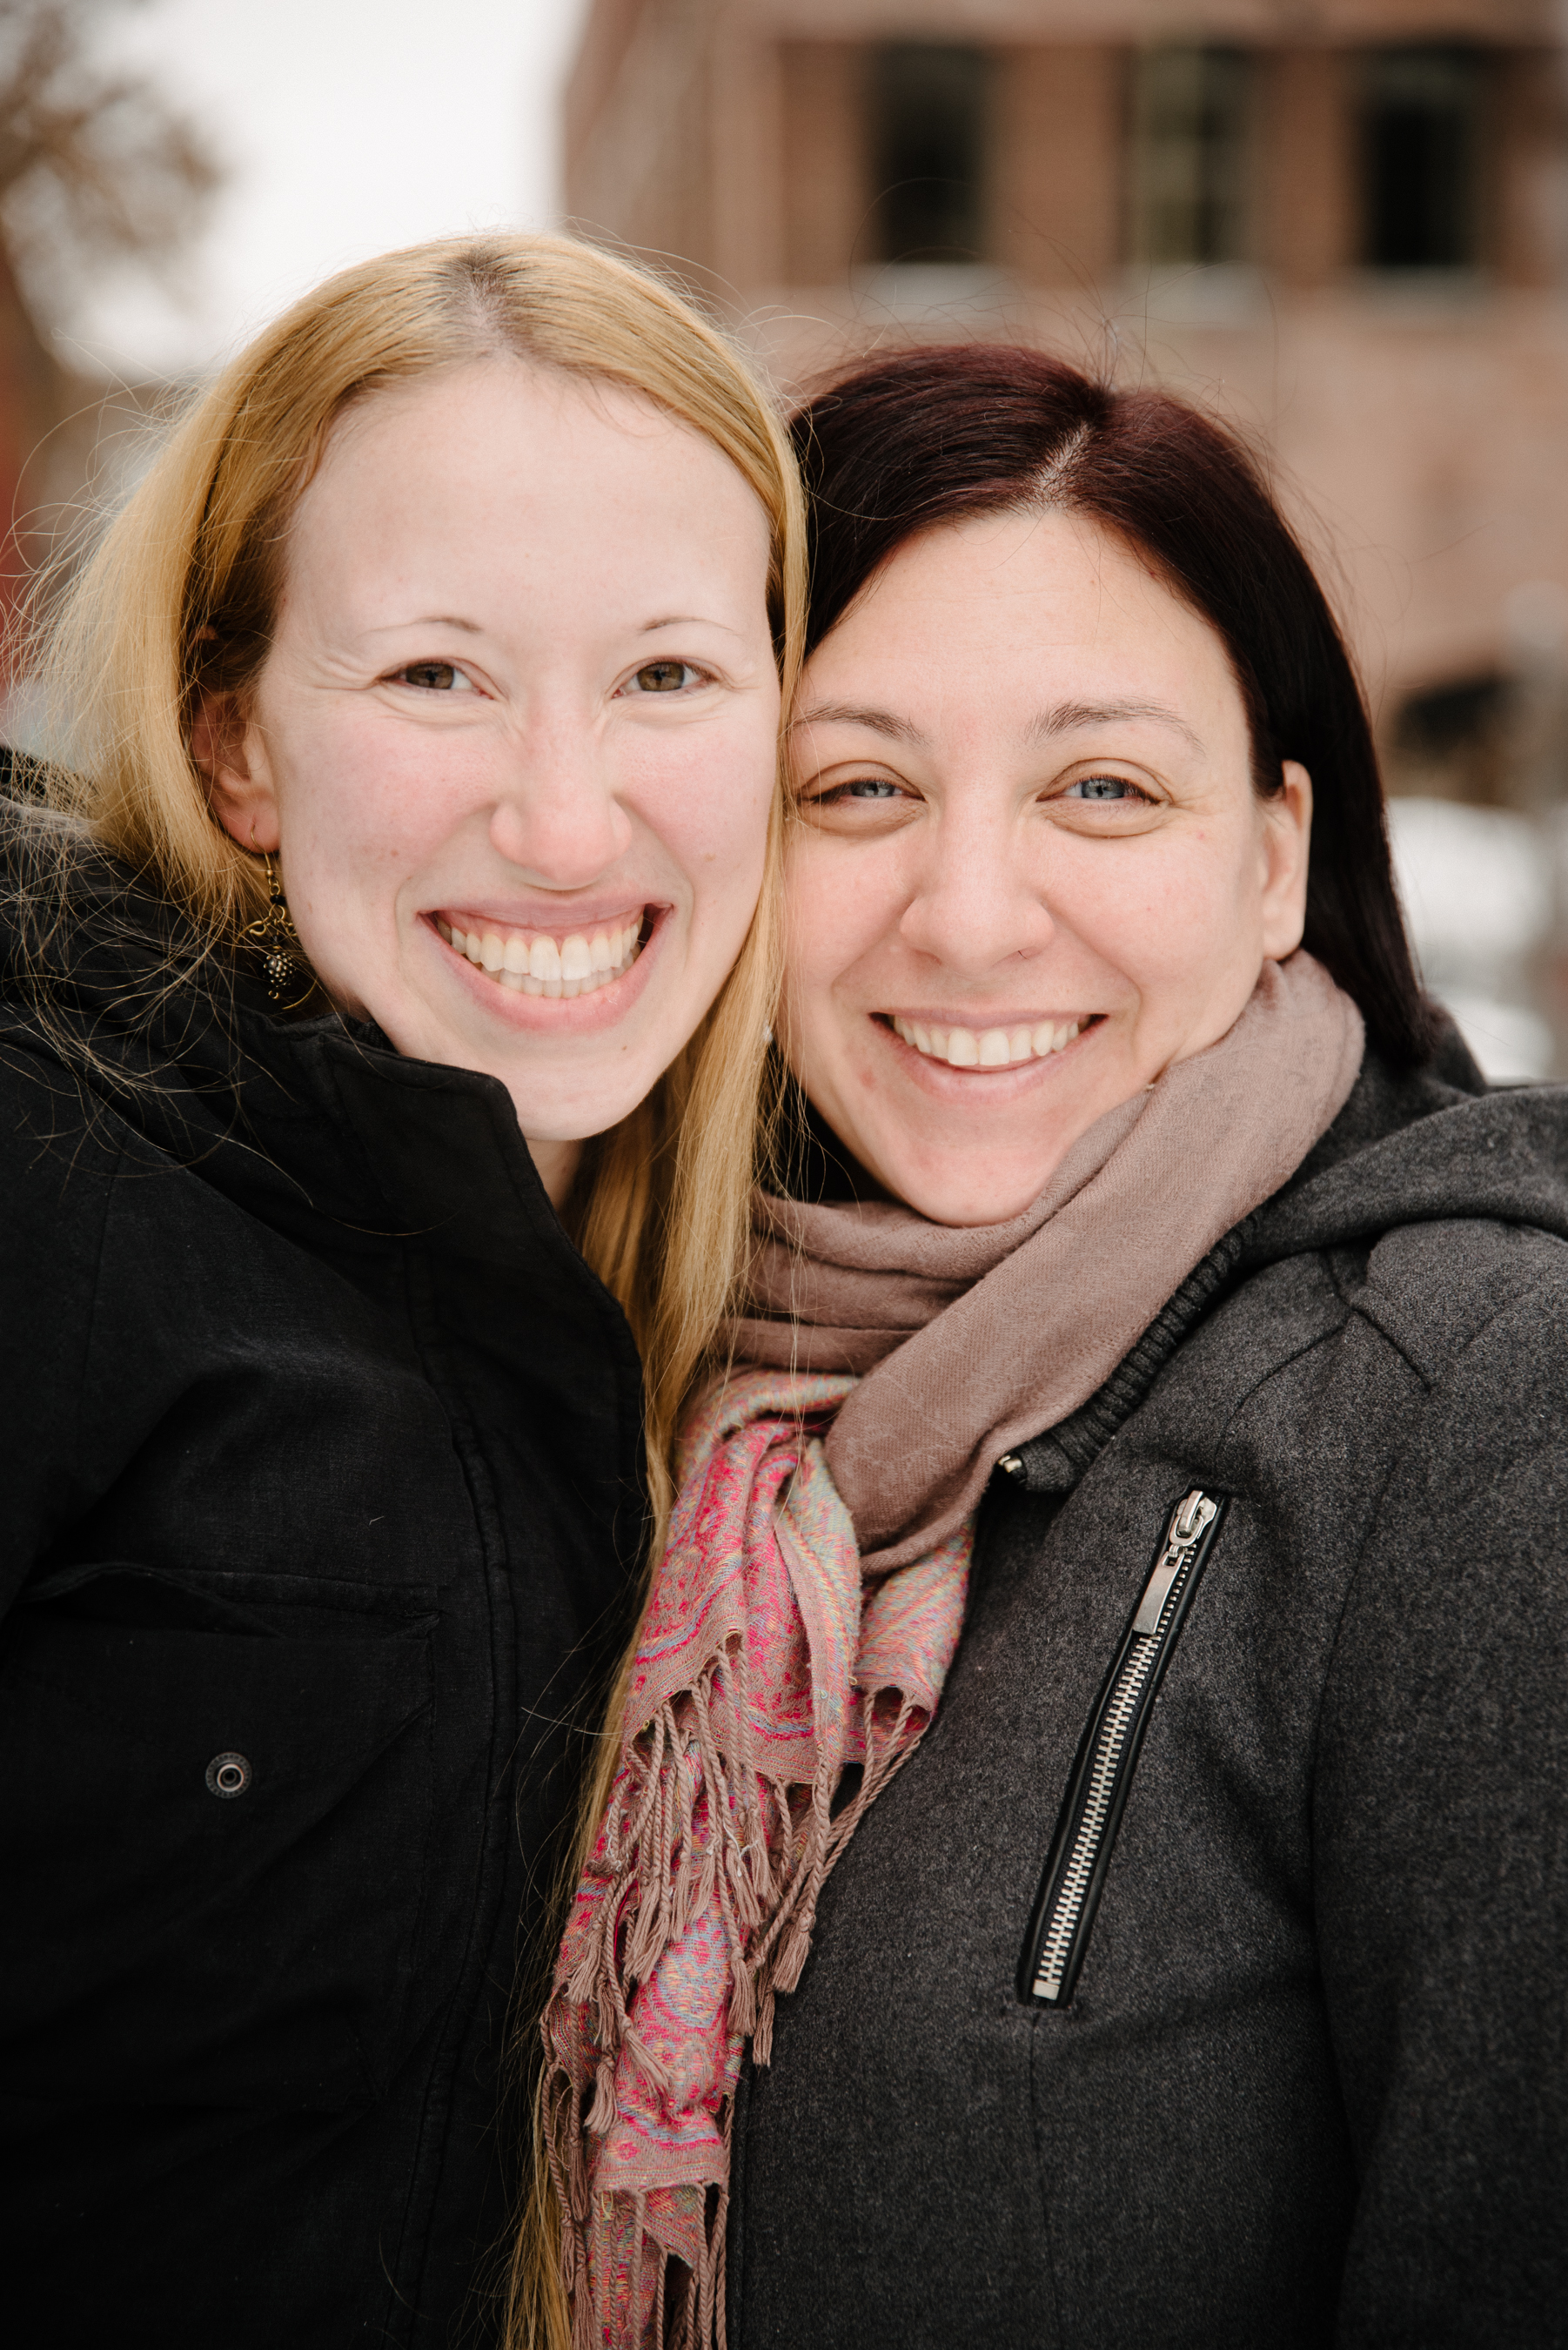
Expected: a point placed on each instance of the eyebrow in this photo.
(845, 714)
(687, 621)
(1070, 717)
(476, 628)
(432, 620)
(1066, 718)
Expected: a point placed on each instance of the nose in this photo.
(976, 900)
(558, 815)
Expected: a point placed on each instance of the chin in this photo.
(973, 1215)
(960, 1181)
(967, 1203)
(552, 1113)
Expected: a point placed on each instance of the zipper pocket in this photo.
(1097, 1791)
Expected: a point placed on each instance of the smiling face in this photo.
(1031, 869)
(516, 739)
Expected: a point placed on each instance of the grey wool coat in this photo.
(1297, 2075)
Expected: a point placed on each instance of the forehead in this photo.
(494, 389)
(499, 456)
(1030, 599)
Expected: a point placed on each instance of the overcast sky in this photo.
(347, 126)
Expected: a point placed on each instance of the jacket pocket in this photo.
(214, 1837)
(1069, 1896)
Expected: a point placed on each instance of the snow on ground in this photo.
(1480, 889)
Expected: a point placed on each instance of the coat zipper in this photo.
(1081, 1850)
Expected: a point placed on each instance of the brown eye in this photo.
(432, 677)
(663, 676)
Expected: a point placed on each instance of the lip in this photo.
(594, 914)
(950, 1084)
(545, 1015)
(1009, 1016)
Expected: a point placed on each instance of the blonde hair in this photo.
(179, 600)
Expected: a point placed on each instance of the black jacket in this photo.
(1310, 2084)
(322, 1454)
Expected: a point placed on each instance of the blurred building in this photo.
(1342, 224)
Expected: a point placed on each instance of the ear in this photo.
(231, 752)
(1286, 846)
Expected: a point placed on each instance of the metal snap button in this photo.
(229, 1775)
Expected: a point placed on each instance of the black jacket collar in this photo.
(316, 1127)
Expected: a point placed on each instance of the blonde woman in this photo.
(384, 997)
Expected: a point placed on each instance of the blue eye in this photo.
(1104, 787)
(856, 791)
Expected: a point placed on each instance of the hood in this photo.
(1430, 1146)
(113, 1018)
(1435, 1144)
(109, 998)
(106, 988)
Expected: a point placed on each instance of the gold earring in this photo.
(276, 942)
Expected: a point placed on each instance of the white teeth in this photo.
(988, 1048)
(541, 965)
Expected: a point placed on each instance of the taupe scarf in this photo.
(786, 1637)
(968, 1340)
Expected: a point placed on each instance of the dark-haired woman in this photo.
(1149, 1428)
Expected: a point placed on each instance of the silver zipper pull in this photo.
(1191, 1516)
(1188, 1521)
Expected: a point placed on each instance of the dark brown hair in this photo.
(937, 435)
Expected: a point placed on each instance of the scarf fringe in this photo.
(764, 1858)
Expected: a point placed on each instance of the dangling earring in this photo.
(276, 942)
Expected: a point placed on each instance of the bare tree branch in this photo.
(95, 165)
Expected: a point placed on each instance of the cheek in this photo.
(1170, 908)
(836, 908)
(362, 801)
(706, 799)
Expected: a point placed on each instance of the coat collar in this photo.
(1428, 1145)
(320, 1130)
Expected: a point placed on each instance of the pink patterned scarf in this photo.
(777, 1651)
